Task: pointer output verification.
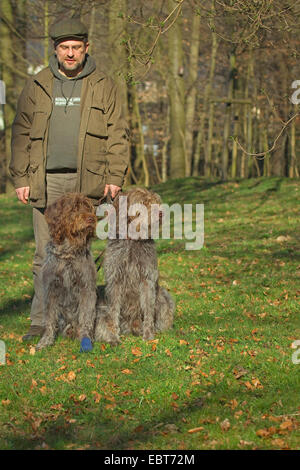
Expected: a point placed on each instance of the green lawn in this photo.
(223, 378)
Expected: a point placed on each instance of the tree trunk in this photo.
(293, 171)
(207, 93)
(264, 149)
(227, 120)
(192, 92)
(208, 168)
(92, 28)
(117, 30)
(7, 60)
(136, 124)
(120, 71)
(176, 99)
(46, 33)
(234, 145)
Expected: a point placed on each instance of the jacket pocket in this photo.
(36, 179)
(94, 179)
(97, 124)
(39, 124)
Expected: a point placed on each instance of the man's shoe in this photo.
(34, 331)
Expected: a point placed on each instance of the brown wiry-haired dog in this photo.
(134, 302)
(69, 274)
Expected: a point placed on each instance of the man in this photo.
(68, 136)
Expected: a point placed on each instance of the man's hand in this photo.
(23, 194)
(113, 190)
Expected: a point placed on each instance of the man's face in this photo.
(70, 55)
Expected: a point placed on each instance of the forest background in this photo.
(210, 88)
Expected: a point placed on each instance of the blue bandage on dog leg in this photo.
(86, 345)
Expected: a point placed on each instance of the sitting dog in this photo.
(133, 301)
(69, 273)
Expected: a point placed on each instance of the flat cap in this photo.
(69, 28)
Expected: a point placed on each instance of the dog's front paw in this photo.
(148, 335)
(114, 340)
(44, 343)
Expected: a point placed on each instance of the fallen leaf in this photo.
(139, 428)
(32, 350)
(233, 403)
(126, 371)
(246, 443)
(136, 351)
(262, 433)
(56, 407)
(225, 425)
(266, 432)
(256, 383)
(110, 406)
(90, 364)
(279, 443)
(262, 315)
(191, 431)
(71, 375)
(248, 385)
(283, 238)
(238, 414)
(240, 372)
(35, 423)
(97, 396)
(288, 425)
(5, 402)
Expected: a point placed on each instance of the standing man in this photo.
(68, 135)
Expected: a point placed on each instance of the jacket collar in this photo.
(45, 78)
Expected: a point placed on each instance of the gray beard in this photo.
(70, 72)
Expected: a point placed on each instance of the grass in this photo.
(223, 378)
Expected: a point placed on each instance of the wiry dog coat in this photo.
(134, 302)
(69, 274)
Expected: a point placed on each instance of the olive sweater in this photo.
(64, 123)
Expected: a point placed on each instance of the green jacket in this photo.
(103, 148)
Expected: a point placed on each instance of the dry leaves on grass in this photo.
(255, 383)
(69, 377)
(286, 426)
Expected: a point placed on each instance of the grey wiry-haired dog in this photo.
(134, 302)
(69, 274)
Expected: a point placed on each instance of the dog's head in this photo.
(72, 217)
(138, 213)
